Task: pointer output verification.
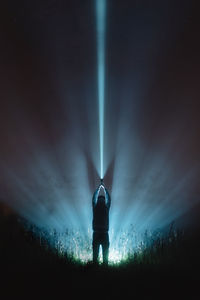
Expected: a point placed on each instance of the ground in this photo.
(29, 271)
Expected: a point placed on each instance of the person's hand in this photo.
(102, 186)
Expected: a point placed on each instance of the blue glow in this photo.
(47, 171)
(101, 13)
(56, 195)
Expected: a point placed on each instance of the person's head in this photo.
(101, 200)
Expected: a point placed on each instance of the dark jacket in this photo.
(101, 207)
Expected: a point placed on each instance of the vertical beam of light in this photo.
(101, 12)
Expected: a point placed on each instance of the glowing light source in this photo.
(101, 12)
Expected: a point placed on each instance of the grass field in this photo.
(165, 264)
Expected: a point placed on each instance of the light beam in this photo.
(101, 12)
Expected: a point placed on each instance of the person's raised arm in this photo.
(95, 196)
(108, 199)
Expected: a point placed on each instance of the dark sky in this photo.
(49, 82)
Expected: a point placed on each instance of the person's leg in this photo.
(95, 245)
(105, 248)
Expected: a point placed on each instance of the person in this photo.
(100, 223)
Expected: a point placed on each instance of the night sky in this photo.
(49, 154)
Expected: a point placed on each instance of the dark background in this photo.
(48, 87)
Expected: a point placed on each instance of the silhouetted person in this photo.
(100, 224)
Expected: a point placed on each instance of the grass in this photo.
(169, 259)
(155, 251)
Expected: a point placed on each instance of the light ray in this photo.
(101, 12)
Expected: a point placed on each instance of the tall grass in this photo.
(147, 248)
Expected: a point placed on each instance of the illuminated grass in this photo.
(128, 247)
